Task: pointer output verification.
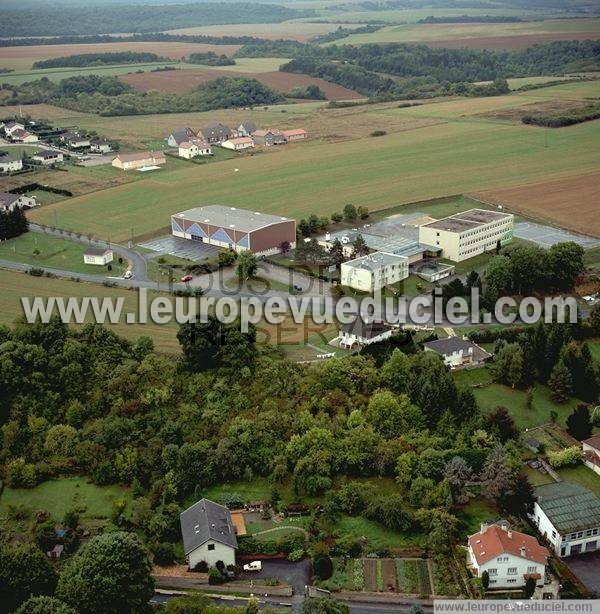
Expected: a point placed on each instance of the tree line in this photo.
(12, 224)
(567, 117)
(100, 59)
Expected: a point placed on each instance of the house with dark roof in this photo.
(269, 137)
(10, 163)
(10, 202)
(458, 352)
(364, 332)
(100, 146)
(509, 557)
(591, 453)
(246, 129)
(47, 157)
(181, 135)
(208, 534)
(568, 516)
(215, 132)
(74, 140)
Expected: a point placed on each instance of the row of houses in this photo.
(17, 132)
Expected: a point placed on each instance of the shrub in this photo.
(323, 567)
(378, 133)
(201, 567)
(296, 555)
(215, 576)
(564, 458)
(164, 554)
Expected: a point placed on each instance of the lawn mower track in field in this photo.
(573, 203)
(183, 80)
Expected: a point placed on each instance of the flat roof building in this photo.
(233, 228)
(469, 233)
(373, 272)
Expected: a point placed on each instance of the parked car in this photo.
(187, 278)
(253, 566)
(127, 275)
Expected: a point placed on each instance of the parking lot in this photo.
(182, 248)
(296, 574)
(547, 236)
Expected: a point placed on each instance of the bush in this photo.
(201, 567)
(215, 576)
(566, 457)
(164, 554)
(296, 555)
(322, 567)
(378, 133)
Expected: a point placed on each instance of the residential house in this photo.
(458, 352)
(11, 126)
(246, 129)
(269, 137)
(98, 255)
(9, 202)
(9, 164)
(568, 516)
(74, 140)
(142, 160)
(22, 136)
(181, 135)
(208, 534)
(193, 148)
(215, 132)
(100, 146)
(47, 157)
(238, 144)
(373, 272)
(297, 134)
(509, 557)
(591, 453)
(364, 332)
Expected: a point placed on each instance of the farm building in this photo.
(181, 135)
(298, 134)
(215, 132)
(373, 272)
(458, 352)
(464, 235)
(568, 516)
(509, 557)
(364, 332)
(141, 160)
(239, 143)
(48, 157)
(269, 137)
(208, 534)
(246, 129)
(97, 255)
(234, 228)
(10, 163)
(9, 202)
(591, 453)
(193, 148)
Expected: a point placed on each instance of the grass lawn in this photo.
(460, 156)
(491, 395)
(583, 476)
(54, 253)
(474, 513)
(63, 494)
(378, 537)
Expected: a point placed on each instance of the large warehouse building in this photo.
(237, 229)
(468, 234)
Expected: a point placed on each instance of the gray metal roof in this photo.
(449, 345)
(47, 153)
(243, 220)
(467, 220)
(96, 251)
(569, 507)
(375, 261)
(206, 520)
(366, 330)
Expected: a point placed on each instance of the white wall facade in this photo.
(10, 165)
(211, 552)
(585, 540)
(374, 277)
(456, 359)
(350, 339)
(508, 570)
(99, 260)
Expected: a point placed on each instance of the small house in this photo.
(10, 202)
(298, 134)
(11, 126)
(268, 138)
(74, 140)
(364, 332)
(208, 534)
(47, 157)
(238, 144)
(458, 352)
(193, 148)
(591, 453)
(509, 557)
(215, 132)
(246, 129)
(9, 164)
(100, 146)
(181, 135)
(22, 136)
(142, 160)
(98, 256)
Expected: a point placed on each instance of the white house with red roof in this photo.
(509, 557)
(591, 453)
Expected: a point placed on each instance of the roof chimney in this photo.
(510, 535)
(522, 551)
(484, 527)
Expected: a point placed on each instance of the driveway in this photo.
(296, 574)
(587, 568)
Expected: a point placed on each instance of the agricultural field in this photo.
(483, 35)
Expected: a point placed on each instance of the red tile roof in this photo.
(295, 132)
(495, 541)
(593, 442)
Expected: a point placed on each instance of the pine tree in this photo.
(560, 383)
(495, 477)
(579, 424)
(360, 247)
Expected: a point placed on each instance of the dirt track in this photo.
(183, 80)
(573, 203)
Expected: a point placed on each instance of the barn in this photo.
(233, 228)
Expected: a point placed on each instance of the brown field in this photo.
(573, 203)
(21, 58)
(370, 570)
(548, 106)
(181, 81)
(390, 578)
(508, 42)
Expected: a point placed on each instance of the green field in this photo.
(54, 253)
(412, 32)
(94, 503)
(378, 537)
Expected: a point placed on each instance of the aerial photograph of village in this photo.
(299, 306)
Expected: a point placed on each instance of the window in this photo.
(553, 533)
(588, 533)
(580, 535)
(512, 581)
(493, 572)
(211, 546)
(531, 569)
(512, 571)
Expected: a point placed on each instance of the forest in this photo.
(210, 58)
(108, 96)
(99, 59)
(91, 19)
